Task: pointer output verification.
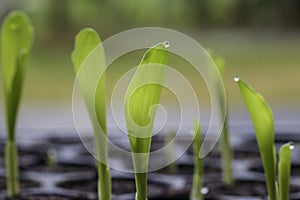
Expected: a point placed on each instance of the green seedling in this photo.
(86, 41)
(16, 40)
(142, 96)
(284, 171)
(262, 118)
(172, 167)
(52, 157)
(225, 146)
(197, 193)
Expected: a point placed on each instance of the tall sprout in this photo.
(86, 41)
(225, 146)
(262, 118)
(142, 96)
(16, 40)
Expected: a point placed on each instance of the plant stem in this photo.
(270, 173)
(196, 193)
(170, 151)
(284, 171)
(141, 186)
(12, 171)
(104, 177)
(226, 156)
(140, 162)
(104, 181)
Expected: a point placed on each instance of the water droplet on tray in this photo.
(204, 190)
(236, 78)
(167, 44)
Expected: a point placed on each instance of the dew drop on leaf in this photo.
(292, 146)
(236, 78)
(166, 44)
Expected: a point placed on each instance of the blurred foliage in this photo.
(242, 31)
(62, 17)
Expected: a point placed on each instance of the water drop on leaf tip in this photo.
(166, 44)
(292, 146)
(236, 78)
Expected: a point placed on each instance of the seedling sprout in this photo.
(16, 40)
(225, 146)
(262, 118)
(87, 40)
(142, 96)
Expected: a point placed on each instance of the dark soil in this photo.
(43, 197)
(74, 175)
(245, 188)
(23, 184)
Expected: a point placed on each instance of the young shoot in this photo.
(142, 96)
(172, 167)
(284, 170)
(86, 41)
(51, 157)
(262, 118)
(225, 146)
(16, 40)
(197, 193)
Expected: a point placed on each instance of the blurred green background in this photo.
(260, 40)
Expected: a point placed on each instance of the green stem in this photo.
(104, 182)
(104, 177)
(196, 193)
(12, 171)
(226, 156)
(140, 156)
(270, 173)
(141, 186)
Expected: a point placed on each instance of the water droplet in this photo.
(236, 78)
(292, 146)
(204, 190)
(166, 44)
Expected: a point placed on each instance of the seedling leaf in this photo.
(218, 60)
(284, 171)
(225, 146)
(16, 40)
(142, 96)
(263, 123)
(87, 41)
